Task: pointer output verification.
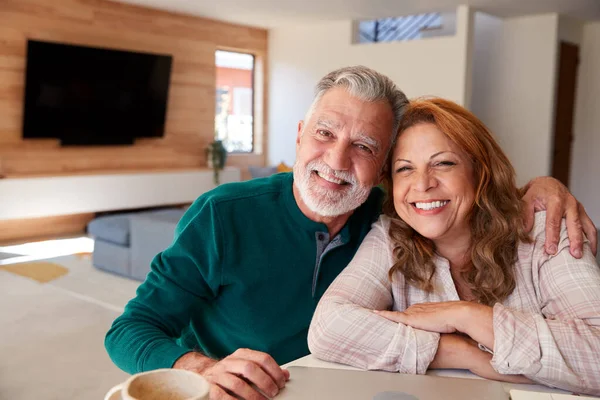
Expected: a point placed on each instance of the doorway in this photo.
(564, 111)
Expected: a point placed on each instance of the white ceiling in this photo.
(273, 13)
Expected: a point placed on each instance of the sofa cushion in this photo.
(150, 235)
(262, 172)
(168, 215)
(111, 257)
(111, 228)
(116, 228)
(283, 167)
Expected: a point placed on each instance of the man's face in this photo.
(340, 151)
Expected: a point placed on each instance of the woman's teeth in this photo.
(432, 205)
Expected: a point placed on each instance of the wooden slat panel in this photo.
(38, 228)
(190, 115)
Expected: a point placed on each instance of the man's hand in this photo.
(546, 193)
(242, 375)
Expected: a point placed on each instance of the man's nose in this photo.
(338, 157)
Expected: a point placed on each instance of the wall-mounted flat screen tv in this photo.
(94, 96)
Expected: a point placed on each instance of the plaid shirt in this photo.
(548, 329)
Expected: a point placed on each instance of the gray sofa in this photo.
(125, 244)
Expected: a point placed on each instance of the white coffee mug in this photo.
(161, 384)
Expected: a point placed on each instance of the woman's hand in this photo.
(472, 319)
(433, 317)
(457, 351)
(480, 365)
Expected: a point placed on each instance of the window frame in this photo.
(253, 149)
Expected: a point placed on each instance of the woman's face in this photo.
(434, 188)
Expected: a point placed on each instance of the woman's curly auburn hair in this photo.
(496, 222)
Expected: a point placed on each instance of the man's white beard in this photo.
(328, 202)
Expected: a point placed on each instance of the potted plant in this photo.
(216, 155)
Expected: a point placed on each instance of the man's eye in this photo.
(324, 133)
(364, 148)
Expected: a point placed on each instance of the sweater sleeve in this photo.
(182, 279)
(560, 346)
(344, 329)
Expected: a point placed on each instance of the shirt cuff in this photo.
(516, 344)
(162, 355)
(419, 352)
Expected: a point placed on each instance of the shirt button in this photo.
(320, 236)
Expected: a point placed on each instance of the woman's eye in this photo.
(402, 169)
(446, 163)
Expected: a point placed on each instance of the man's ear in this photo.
(300, 128)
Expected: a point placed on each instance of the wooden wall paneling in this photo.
(17, 230)
(190, 115)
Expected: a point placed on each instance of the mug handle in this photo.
(111, 393)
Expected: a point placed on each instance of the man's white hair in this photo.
(365, 84)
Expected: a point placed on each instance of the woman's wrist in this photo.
(476, 321)
(455, 351)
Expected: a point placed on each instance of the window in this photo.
(410, 27)
(234, 117)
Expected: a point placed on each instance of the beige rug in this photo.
(52, 336)
(40, 271)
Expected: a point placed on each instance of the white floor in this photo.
(52, 335)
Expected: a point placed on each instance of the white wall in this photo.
(570, 30)
(486, 65)
(514, 84)
(585, 167)
(300, 55)
(448, 26)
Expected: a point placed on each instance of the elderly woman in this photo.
(448, 278)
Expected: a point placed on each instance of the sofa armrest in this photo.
(148, 237)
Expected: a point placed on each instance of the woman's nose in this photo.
(424, 181)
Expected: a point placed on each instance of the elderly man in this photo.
(250, 260)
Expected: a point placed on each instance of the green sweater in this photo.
(245, 270)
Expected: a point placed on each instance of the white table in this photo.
(313, 362)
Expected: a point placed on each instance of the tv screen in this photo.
(93, 96)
